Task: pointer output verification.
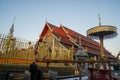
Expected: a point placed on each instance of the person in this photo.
(39, 75)
(33, 71)
(7, 77)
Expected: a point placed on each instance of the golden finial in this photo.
(12, 27)
(99, 20)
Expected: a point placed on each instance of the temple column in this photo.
(101, 46)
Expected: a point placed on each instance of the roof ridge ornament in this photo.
(60, 23)
(46, 20)
(66, 31)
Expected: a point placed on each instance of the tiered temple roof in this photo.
(69, 38)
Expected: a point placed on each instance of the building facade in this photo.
(62, 43)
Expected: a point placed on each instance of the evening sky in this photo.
(78, 15)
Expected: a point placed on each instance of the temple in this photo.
(60, 53)
(61, 43)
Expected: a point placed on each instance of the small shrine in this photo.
(81, 54)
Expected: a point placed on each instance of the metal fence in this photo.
(15, 50)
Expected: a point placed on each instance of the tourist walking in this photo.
(33, 71)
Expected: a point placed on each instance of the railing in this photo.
(105, 63)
